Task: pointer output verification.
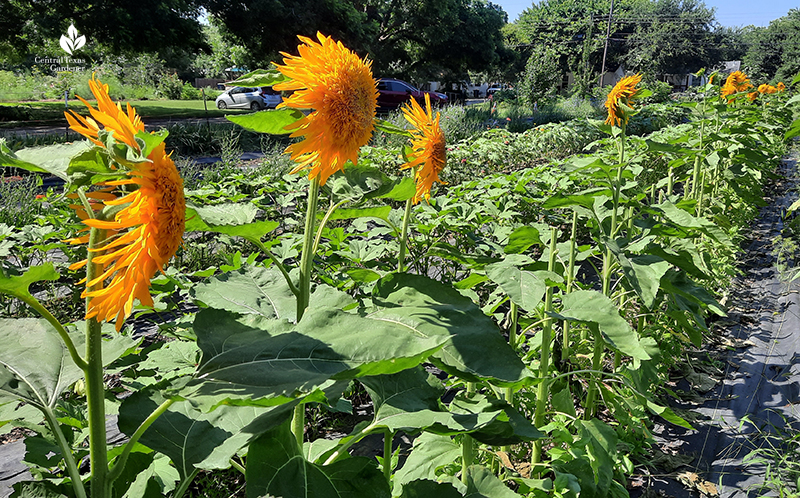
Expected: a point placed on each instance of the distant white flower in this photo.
(72, 42)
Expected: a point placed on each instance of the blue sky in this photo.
(729, 12)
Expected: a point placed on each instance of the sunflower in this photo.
(752, 96)
(146, 233)
(780, 86)
(767, 89)
(429, 153)
(736, 82)
(124, 125)
(339, 87)
(622, 94)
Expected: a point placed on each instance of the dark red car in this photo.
(393, 93)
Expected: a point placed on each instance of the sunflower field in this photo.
(500, 312)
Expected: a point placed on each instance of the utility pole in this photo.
(605, 48)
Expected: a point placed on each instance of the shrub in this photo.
(189, 92)
(170, 87)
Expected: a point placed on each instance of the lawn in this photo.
(13, 114)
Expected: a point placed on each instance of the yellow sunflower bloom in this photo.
(146, 233)
(429, 153)
(339, 87)
(767, 89)
(125, 125)
(780, 86)
(736, 82)
(752, 96)
(622, 94)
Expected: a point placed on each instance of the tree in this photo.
(418, 39)
(774, 51)
(120, 26)
(653, 36)
(669, 37)
(541, 77)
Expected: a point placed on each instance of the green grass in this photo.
(13, 114)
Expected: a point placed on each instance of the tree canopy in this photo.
(119, 26)
(774, 51)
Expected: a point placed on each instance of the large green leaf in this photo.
(53, 159)
(523, 287)
(273, 122)
(194, 439)
(255, 290)
(521, 239)
(35, 365)
(276, 467)
(359, 181)
(18, 285)
(482, 483)
(424, 488)
(250, 290)
(230, 219)
(475, 348)
(429, 452)
(593, 307)
(643, 272)
(409, 401)
(248, 359)
(683, 219)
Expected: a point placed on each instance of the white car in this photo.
(255, 98)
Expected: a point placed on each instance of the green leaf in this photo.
(793, 131)
(260, 77)
(18, 285)
(593, 307)
(276, 467)
(250, 290)
(193, 439)
(643, 272)
(35, 365)
(151, 140)
(273, 122)
(409, 401)
(429, 452)
(381, 212)
(230, 219)
(424, 488)
(89, 164)
(358, 181)
(36, 489)
(521, 239)
(387, 127)
(53, 159)
(523, 287)
(481, 483)
(157, 480)
(251, 360)
(475, 348)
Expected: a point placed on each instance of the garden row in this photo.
(523, 343)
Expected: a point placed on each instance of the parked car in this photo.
(254, 98)
(492, 90)
(393, 93)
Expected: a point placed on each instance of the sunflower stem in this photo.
(404, 236)
(542, 390)
(467, 444)
(388, 436)
(599, 342)
(66, 451)
(570, 282)
(95, 388)
(307, 258)
(45, 313)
